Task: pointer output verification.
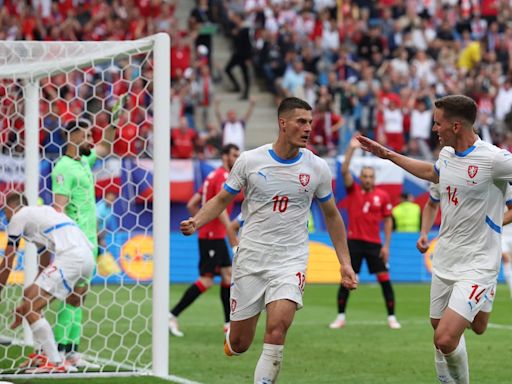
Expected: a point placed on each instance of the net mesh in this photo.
(88, 81)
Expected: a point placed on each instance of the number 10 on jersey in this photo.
(280, 203)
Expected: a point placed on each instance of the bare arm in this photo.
(338, 236)
(60, 202)
(388, 228)
(427, 221)
(6, 265)
(194, 204)
(212, 209)
(249, 111)
(507, 217)
(345, 168)
(422, 169)
(44, 260)
(224, 219)
(217, 111)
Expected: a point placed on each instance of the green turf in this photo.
(366, 351)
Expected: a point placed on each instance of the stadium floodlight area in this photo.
(43, 86)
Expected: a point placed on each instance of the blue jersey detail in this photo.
(324, 199)
(495, 227)
(436, 170)
(284, 161)
(466, 152)
(434, 200)
(230, 190)
(51, 229)
(64, 281)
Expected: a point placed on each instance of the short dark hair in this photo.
(226, 150)
(291, 103)
(16, 199)
(75, 125)
(458, 107)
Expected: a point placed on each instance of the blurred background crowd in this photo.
(369, 66)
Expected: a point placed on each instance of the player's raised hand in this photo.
(372, 146)
(188, 227)
(354, 143)
(422, 244)
(348, 277)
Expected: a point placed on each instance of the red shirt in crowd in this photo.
(183, 143)
(211, 186)
(365, 212)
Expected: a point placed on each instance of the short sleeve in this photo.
(237, 179)
(502, 166)
(324, 190)
(63, 181)
(386, 205)
(435, 193)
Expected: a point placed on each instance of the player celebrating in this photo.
(367, 207)
(73, 264)
(73, 190)
(214, 254)
(472, 178)
(280, 181)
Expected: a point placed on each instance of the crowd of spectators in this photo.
(368, 66)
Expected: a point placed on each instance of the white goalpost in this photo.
(43, 85)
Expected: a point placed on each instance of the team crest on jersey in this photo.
(472, 170)
(60, 179)
(304, 179)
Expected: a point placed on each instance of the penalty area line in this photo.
(500, 326)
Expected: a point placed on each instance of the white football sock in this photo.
(341, 316)
(43, 336)
(269, 364)
(443, 374)
(457, 362)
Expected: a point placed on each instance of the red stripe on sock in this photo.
(383, 277)
(201, 286)
(225, 285)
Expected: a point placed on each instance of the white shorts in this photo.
(464, 297)
(250, 293)
(66, 271)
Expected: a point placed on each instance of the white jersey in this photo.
(278, 194)
(47, 228)
(472, 189)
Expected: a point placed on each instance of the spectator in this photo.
(233, 128)
(185, 143)
(421, 124)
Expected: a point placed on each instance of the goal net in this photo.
(44, 86)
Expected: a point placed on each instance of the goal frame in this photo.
(31, 74)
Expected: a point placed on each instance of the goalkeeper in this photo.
(73, 193)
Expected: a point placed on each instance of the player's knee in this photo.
(383, 277)
(479, 328)
(276, 334)
(74, 300)
(204, 283)
(239, 344)
(444, 342)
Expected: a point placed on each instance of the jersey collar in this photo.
(293, 160)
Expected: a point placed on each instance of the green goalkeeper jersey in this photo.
(73, 179)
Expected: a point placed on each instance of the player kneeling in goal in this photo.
(73, 263)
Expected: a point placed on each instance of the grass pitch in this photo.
(365, 351)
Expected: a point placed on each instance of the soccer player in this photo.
(73, 190)
(473, 177)
(279, 182)
(214, 254)
(73, 264)
(367, 207)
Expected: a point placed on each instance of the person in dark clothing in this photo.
(242, 52)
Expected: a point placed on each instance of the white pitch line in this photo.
(179, 380)
(500, 326)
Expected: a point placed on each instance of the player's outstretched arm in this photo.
(422, 169)
(337, 233)
(212, 209)
(427, 221)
